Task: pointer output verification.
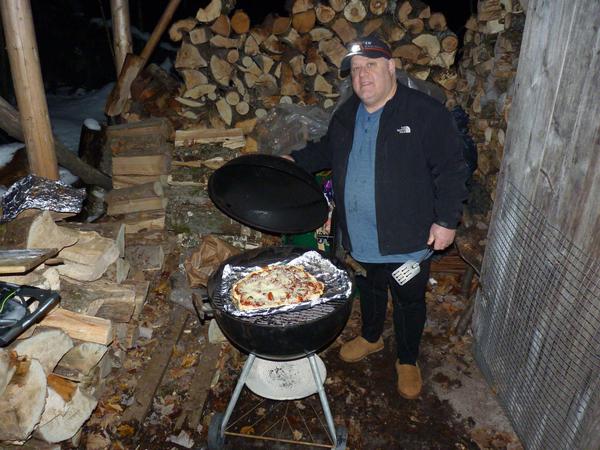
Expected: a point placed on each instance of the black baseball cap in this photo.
(370, 46)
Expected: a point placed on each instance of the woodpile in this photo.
(234, 70)
(52, 376)
(486, 73)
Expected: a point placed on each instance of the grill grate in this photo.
(288, 318)
(537, 326)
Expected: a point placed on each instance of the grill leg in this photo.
(328, 417)
(237, 391)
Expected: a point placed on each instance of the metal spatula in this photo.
(409, 269)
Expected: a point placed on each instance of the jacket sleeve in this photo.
(316, 156)
(448, 168)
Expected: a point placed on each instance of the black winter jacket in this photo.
(420, 172)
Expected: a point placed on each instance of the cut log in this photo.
(221, 26)
(240, 22)
(207, 136)
(19, 261)
(42, 277)
(355, 11)
(189, 57)
(429, 43)
(242, 108)
(111, 230)
(408, 52)
(232, 98)
(200, 91)
(259, 34)
(120, 94)
(149, 164)
(378, 7)
(314, 62)
(38, 231)
(325, 14)
(265, 63)
(437, 22)
(251, 47)
(223, 42)
(23, 402)
(403, 10)
(371, 26)
(281, 25)
(224, 110)
(80, 326)
(300, 6)
(8, 366)
(89, 258)
(126, 136)
(63, 417)
(320, 33)
(394, 33)
(289, 85)
(273, 45)
(333, 50)
(180, 27)
(425, 13)
(297, 64)
(446, 78)
(448, 41)
(321, 85)
(147, 220)
(79, 362)
(210, 13)
(305, 21)
(100, 298)
(414, 26)
(221, 70)
(233, 56)
(200, 35)
(338, 5)
(345, 31)
(47, 346)
(146, 257)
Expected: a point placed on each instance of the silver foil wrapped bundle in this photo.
(33, 192)
(337, 283)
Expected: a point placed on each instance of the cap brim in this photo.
(345, 64)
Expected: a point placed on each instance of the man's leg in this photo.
(373, 305)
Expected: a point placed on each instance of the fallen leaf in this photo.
(189, 360)
(248, 429)
(125, 430)
(297, 435)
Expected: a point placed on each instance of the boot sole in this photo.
(362, 357)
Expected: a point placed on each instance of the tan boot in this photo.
(358, 348)
(409, 380)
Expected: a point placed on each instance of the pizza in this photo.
(275, 286)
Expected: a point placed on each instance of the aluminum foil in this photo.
(337, 283)
(33, 192)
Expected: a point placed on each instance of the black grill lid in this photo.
(269, 193)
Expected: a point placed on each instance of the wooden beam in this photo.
(29, 87)
(121, 31)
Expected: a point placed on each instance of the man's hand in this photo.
(440, 237)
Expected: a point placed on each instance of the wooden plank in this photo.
(156, 367)
(22, 260)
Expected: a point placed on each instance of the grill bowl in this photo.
(282, 336)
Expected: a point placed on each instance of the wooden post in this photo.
(121, 31)
(29, 87)
(160, 28)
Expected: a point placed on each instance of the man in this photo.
(399, 183)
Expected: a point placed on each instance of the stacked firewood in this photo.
(234, 71)
(486, 73)
(52, 376)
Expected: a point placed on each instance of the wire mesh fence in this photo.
(537, 326)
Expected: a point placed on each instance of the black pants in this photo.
(409, 307)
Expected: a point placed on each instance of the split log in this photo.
(372, 26)
(143, 164)
(130, 136)
(147, 220)
(325, 14)
(207, 136)
(273, 45)
(141, 293)
(297, 64)
(80, 326)
(189, 57)
(265, 63)
(300, 6)
(138, 192)
(240, 22)
(338, 5)
(437, 22)
(8, 366)
(221, 26)
(333, 50)
(414, 26)
(378, 7)
(111, 230)
(321, 85)
(233, 56)
(123, 181)
(429, 43)
(47, 346)
(79, 362)
(344, 30)
(394, 33)
(320, 33)
(355, 11)
(224, 110)
(101, 298)
(210, 13)
(200, 35)
(221, 70)
(408, 52)
(200, 91)
(305, 21)
(117, 98)
(23, 401)
(446, 78)
(118, 271)
(127, 206)
(281, 25)
(180, 27)
(403, 10)
(67, 409)
(289, 85)
(42, 277)
(38, 231)
(89, 258)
